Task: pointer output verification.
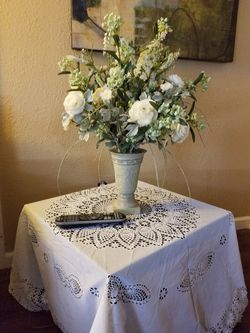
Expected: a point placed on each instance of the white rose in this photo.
(74, 103)
(166, 86)
(176, 80)
(142, 113)
(180, 134)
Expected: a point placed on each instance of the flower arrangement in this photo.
(132, 99)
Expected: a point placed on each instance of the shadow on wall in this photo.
(8, 173)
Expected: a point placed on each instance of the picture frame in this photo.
(202, 29)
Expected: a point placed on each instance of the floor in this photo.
(15, 319)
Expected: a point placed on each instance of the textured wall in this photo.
(33, 36)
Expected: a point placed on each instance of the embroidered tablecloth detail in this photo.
(165, 216)
(174, 268)
(71, 282)
(233, 313)
(119, 292)
(193, 275)
(33, 299)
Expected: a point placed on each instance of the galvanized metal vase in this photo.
(127, 168)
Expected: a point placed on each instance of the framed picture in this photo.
(202, 29)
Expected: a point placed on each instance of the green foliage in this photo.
(132, 99)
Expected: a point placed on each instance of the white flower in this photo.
(73, 58)
(134, 98)
(116, 77)
(106, 94)
(175, 79)
(163, 28)
(78, 59)
(142, 113)
(74, 103)
(166, 86)
(180, 134)
(103, 94)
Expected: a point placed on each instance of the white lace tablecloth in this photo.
(175, 268)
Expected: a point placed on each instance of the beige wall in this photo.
(33, 37)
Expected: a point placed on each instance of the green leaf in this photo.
(122, 95)
(183, 122)
(139, 137)
(64, 72)
(88, 96)
(192, 134)
(158, 97)
(113, 54)
(75, 89)
(155, 105)
(110, 144)
(77, 119)
(99, 80)
(192, 108)
(127, 67)
(106, 115)
(117, 40)
(192, 96)
(133, 129)
(89, 107)
(143, 96)
(115, 113)
(155, 28)
(198, 79)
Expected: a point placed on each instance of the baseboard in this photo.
(242, 222)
